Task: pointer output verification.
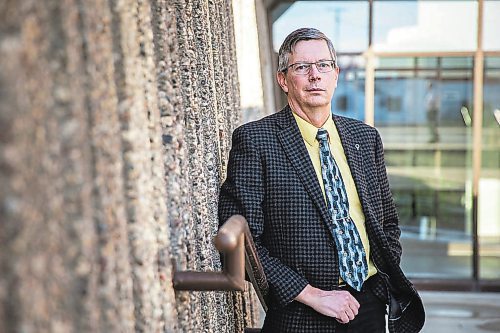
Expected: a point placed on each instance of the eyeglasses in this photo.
(303, 68)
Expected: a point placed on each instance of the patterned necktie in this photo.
(352, 257)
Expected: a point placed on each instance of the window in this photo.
(491, 25)
(344, 22)
(425, 25)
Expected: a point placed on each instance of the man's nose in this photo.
(314, 74)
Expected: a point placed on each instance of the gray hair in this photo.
(299, 35)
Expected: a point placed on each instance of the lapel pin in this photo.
(357, 146)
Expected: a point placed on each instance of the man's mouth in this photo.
(314, 89)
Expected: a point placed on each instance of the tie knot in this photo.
(322, 135)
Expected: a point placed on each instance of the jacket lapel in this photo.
(293, 144)
(354, 150)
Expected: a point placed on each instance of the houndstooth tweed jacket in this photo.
(271, 181)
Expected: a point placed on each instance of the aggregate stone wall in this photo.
(115, 122)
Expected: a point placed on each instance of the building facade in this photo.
(426, 74)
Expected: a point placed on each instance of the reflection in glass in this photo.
(344, 22)
(491, 25)
(349, 97)
(423, 114)
(424, 25)
(489, 182)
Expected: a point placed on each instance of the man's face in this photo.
(313, 89)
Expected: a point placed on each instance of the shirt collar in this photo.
(309, 131)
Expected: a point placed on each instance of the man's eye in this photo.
(324, 65)
(301, 67)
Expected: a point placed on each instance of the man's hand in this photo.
(339, 304)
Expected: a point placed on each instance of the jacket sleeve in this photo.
(391, 218)
(243, 192)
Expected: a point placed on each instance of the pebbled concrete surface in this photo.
(457, 312)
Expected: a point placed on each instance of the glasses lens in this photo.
(324, 66)
(301, 68)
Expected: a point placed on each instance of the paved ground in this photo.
(453, 312)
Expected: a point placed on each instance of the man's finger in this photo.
(354, 310)
(354, 306)
(356, 302)
(343, 318)
(350, 314)
(349, 298)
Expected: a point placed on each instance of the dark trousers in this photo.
(371, 313)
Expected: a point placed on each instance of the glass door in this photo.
(422, 110)
(489, 181)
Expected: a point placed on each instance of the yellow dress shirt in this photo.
(309, 132)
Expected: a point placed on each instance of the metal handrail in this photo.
(236, 243)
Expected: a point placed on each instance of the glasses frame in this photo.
(334, 63)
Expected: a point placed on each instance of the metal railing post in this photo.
(235, 242)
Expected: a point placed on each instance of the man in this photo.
(432, 109)
(314, 190)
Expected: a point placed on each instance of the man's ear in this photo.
(280, 77)
(337, 73)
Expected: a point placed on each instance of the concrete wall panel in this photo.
(115, 122)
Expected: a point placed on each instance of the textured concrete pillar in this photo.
(115, 122)
(145, 193)
(109, 213)
(197, 310)
(47, 234)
